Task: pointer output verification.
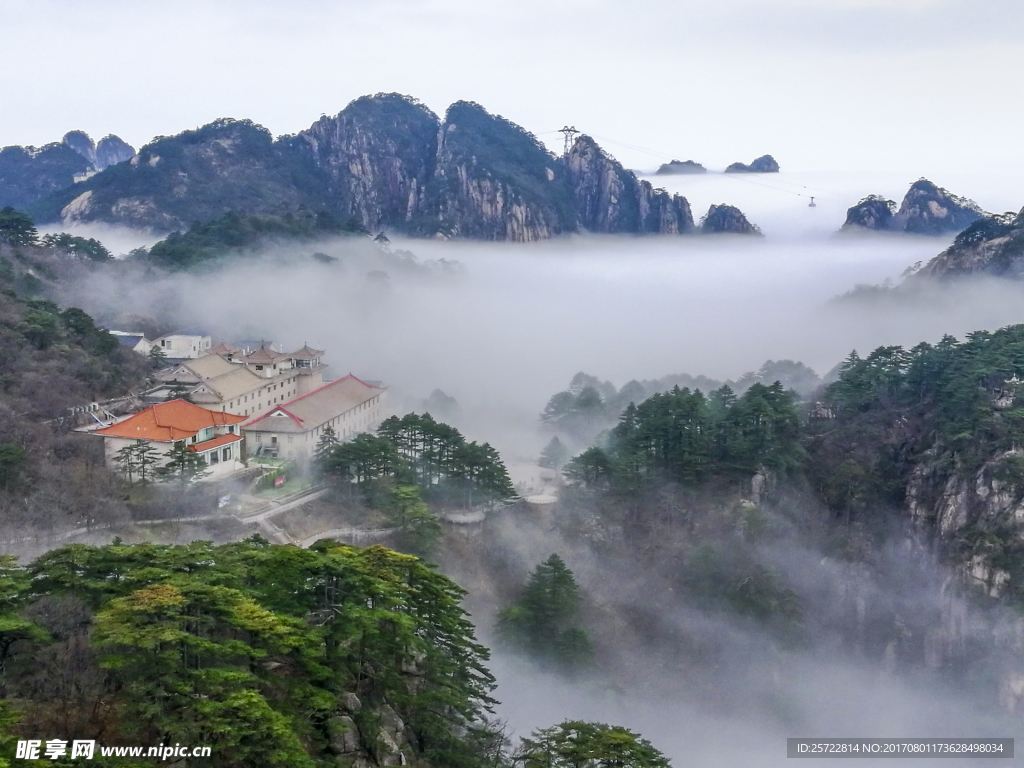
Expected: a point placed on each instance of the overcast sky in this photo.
(915, 85)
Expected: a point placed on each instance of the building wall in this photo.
(270, 394)
(218, 471)
(183, 347)
(301, 446)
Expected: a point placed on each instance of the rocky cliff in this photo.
(926, 210)
(991, 246)
(111, 150)
(611, 199)
(494, 181)
(873, 212)
(378, 155)
(384, 162)
(723, 219)
(763, 164)
(680, 167)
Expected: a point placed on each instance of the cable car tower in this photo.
(570, 137)
(812, 204)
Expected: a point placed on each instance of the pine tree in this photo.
(541, 622)
(183, 466)
(554, 455)
(328, 440)
(576, 744)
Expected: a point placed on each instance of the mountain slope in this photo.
(377, 155)
(991, 246)
(28, 174)
(383, 162)
(926, 209)
(194, 176)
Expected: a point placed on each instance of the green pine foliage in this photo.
(248, 647)
(17, 228)
(28, 174)
(691, 438)
(955, 404)
(417, 450)
(577, 744)
(234, 233)
(554, 455)
(91, 248)
(542, 623)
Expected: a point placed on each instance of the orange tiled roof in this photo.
(217, 442)
(166, 422)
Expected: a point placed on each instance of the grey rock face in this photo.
(378, 154)
(722, 219)
(350, 702)
(82, 144)
(931, 210)
(763, 164)
(926, 210)
(611, 199)
(111, 150)
(344, 734)
(992, 245)
(873, 212)
(680, 167)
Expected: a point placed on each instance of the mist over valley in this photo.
(425, 433)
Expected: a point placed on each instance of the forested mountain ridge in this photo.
(990, 246)
(385, 162)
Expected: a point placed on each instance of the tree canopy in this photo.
(250, 648)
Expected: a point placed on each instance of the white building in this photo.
(293, 429)
(225, 379)
(183, 345)
(214, 435)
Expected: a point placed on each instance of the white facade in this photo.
(183, 346)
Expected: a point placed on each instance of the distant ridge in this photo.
(385, 162)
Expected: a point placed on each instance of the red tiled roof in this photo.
(217, 442)
(166, 422)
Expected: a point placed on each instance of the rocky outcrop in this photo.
(763, 164)
(926, 210)
(930, 210)
(873, 212)
(367, 738)
(990, 246)
(110, 151)
(727, 219)
(378, 154)
(610, 199)
(494, 181)
(680, 167)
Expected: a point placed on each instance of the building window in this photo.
(227, 453)
(259, 437)
(259, 367)
(213, 458)
(289, 438)
(273, 439)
